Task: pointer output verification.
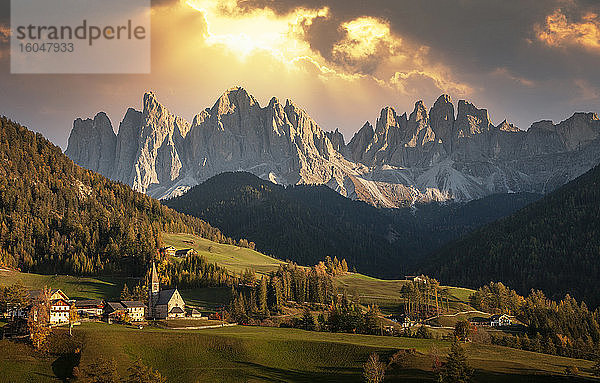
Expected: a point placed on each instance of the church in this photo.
(163, 304)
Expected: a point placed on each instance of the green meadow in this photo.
(259, 354)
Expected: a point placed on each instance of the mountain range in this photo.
(428, 155)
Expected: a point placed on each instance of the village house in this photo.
(167, 251)
(493, 321)
(500, 320)
(163, 304)
(184, 253)
(403, 320)
(59, 311)
(114, 311)
(90, 308)
(60, 305)
(135, 309)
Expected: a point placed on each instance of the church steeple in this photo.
(153, 292)
(154, 279)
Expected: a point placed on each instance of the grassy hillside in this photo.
(74, 287)
(385, 293)
(234, 258)
(256, 354)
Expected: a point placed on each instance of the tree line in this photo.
(566, 327)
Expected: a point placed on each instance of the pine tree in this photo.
(308, 320)
(373, 369)
(456, 368)
(125, 294)
(262, 297)
(371, 321)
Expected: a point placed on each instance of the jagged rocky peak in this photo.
(504, 126)
(543, 125)
(419, 130)
(441, 119)
(471, 120)
(233, 99)
(92, 143)
(360, 142)
(579, 129)
(387, 118)
(419, 112)
(337, 140)
(157, 116)
(435, 154)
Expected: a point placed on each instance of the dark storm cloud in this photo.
(478, 35)
(476, 39)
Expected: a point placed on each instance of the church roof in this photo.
(154, 274)
(165, 296)
(177, 310)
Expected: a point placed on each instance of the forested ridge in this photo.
(306, 223)
(56, 217)
(552, 245)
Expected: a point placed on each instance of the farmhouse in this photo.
(163, 304)
(90, 308)
(135, 309)
(167, 251)
(500, 320)
(184, 253)
(114, 310)
(59, 311)
(60, 305)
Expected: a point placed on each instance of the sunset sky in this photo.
(342, 61)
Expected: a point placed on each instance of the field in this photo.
(256, 354)
(234, 258)
(386, 293)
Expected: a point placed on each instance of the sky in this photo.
(342, 61)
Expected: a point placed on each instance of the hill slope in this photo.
(552, 245)
(259, 354)
(306, 223)
(56, 217)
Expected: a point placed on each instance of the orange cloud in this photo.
(559, 31)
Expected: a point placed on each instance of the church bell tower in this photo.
(153, 292)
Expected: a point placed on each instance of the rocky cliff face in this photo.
(93, 143)
(425, 156)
